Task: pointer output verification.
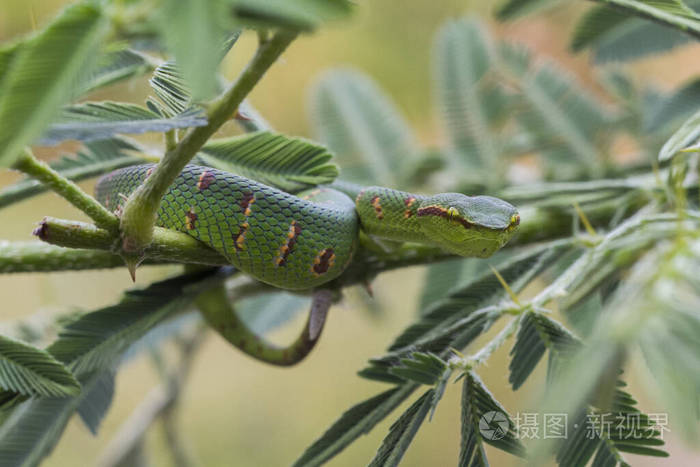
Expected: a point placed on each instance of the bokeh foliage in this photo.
(615, 244)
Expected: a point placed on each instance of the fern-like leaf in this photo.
(170, 87)
(30, 371)
(484, 289)
(44, 75)
(423, 368)
(462, 54)
(356, 421)
(115, 65)
(511, 9)
(290, 164)
(685, 136)
(359, 123)
(296, 14)
(193, 31)
(98, 339)
(681, 104)
(612, 29)
(608, 434)
(537, 334)
(32, 429)
(402, 432)
(484, 420)
(95, 403)
(563, 117)
(91, 121)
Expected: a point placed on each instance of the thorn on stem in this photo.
(132, 262)
(589, 228)
(242, 116)
(505, 285)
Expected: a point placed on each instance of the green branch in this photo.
(37, 169)
(39, 257)
(644, 10)
(167, 245)
(139, 213)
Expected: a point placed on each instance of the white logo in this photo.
(493, 425)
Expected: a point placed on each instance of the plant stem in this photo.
(167, 245)
(39, 257)
(637, 8)
(485, 352)
(599, 253)
(139, 213)
(37, 169)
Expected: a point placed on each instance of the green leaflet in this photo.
(95, 402)
(682, 103)
(402, 432)
(361, 125)
(462, 56)
(484, 420)
(356, 421)
(173, 89)
(170, 87)
(193, 31)
(423, 368)
(97, 340)
(484, 289)
(602, 24)
(297, 14)
(610, 433)
(45, 74)
(34, 426)
(561, 116)
(685, 136)
(537, 334)
(30, 371)
(511, 9)
(92, 121)
(290, 164)
(91, 346)
(114, 65)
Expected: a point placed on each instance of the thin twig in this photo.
(37, 169)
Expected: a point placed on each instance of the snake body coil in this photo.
(304, 240)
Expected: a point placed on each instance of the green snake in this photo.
(304, 240)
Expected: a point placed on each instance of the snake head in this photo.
(468, 225)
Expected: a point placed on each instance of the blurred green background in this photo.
(236, 411)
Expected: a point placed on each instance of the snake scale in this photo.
(304, 240)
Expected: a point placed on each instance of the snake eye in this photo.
(452, 212)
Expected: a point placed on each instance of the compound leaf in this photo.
(30, 371)
(290, 164)
(402, 432)
(356, 421)
(484, 420)
(45, 74)
(91, 121)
